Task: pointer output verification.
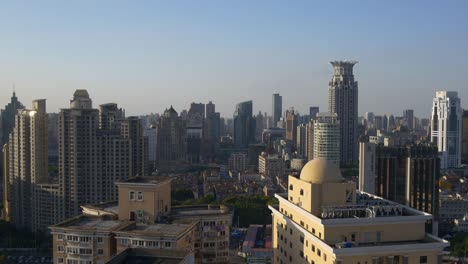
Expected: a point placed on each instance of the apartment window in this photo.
(313, 248)
(99, 240)
(140, 196)
(60, 249)
(60, 260)
(132, 196)
(291, 187)
(301, 238)
(60, 237)
(325, 257)
(167, 244)
(319, 253)
(301, 253)
(100, 251)
(423, 259)
(302, 192)
(313, 231)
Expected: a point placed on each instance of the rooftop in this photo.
(156, 256)
(146, 179)
(92, 223)
(158, 229)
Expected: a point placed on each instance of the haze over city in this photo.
(149, 55)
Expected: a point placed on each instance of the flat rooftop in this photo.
(146, 179)
(366, 206)
(195, 210)
(157, 229)
(92, 223)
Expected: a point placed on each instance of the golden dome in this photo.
(321, 171)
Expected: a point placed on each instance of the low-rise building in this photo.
(143, 219)
(324, 219)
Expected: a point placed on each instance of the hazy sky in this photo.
(147, 55)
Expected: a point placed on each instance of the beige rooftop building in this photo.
(142, 226)
(323, 219)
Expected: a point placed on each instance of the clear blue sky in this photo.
(147, 55)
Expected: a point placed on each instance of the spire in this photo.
(14, 91)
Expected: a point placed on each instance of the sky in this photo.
(149, 55)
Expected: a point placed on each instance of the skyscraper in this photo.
(7, 117)
(172, 142)
(244, 125)
(291, 126)
(90, 159)
(302, 140)
(465, 137)
(343, 100)
(327, 137)
(408, 116)
(313, 111)
(277, 110)
(446, 128)
(132, 129)
(28, 163)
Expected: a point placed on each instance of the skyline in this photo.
(134, 55)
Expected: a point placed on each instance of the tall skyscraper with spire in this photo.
(7, 117)
(343, 100)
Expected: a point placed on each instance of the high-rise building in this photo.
(90, 159)
(238, 161)
(310, 137)
(210, 108)
(244, 125)
(369, 116)
(446, 128)
(384, 123)
(28, 165)
(259, 118)
(172, 142)
(323, 219)
(327, 137)
(7, 118)
(132, 129)
(110, 116)
(391, 123)
(277, 110)
(291, 126)
(211, 133)
(302, 140)
(197, 108)
(408, 116)
(343, 100)
(407, 175)
(465, 137)
(313, 111)
(152, 134)
(378, 122)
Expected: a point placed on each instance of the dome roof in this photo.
(321, 171)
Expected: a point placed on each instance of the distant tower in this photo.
(408, 115)
(343, 100)
(172, 142)
(446, 128)
(313, 111)
(277, 108)
(327, 137)
(244, 125)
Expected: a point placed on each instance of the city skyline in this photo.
(232, 52)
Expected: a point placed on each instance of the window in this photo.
(291, 187)
(60, 260)
(423, 259)
(99, 240)
(302, 192)
(60, 237)
(167, 244)
(140, 196)
(319, 253)
(132, 196)
(100, 251)
(60, 249)
(301, 238)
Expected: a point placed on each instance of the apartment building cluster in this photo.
(143, 224)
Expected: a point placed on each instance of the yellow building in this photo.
(323, 219)
(144, 221)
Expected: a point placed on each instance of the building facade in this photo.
(244, 125)
(465, 137)
(446, 128)
(90, 159)
(323, 219)
(343, 100)
(270, 165)
(277, 110)
(327, 137)
(28, 164)
(172, 142)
